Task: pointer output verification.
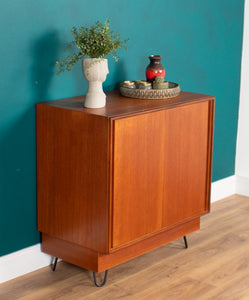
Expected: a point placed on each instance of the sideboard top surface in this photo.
(117, 105)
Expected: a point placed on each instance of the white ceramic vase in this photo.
(95, 71)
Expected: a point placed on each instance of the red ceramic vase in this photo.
(155, 68)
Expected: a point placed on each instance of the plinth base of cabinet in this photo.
(98, 262)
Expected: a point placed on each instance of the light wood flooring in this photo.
(215, 266)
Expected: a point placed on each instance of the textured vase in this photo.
(95, 71)
(155, 68)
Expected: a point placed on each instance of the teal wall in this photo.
(200, 42)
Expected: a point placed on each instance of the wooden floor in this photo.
(215, 266)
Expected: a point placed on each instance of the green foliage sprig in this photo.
(96, 42)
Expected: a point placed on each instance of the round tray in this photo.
(171, 92)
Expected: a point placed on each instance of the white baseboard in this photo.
(22, 262)
(30, 259)
(242, 185)
(223, 188)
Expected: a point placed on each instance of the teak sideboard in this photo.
(116, 182)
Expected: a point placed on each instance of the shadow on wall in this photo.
(18, 154)
(45, 52)
(120, 73)
(117, 74)
(18, 191)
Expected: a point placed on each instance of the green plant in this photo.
(96, 42)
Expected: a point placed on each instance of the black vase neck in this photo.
(155, 58)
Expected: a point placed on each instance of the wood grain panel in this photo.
(72, 183)
(137, 186)
(186, 163)
(72, 253)
(161, 170)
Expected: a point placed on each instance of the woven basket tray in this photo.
(171, 92)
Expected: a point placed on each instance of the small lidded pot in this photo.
(128, 84)
(143, 85)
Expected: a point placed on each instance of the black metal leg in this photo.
(185, 241)
(54, 263)
(100, 284)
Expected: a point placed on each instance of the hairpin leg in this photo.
(100, 284)
(185, 241)
(54, 263)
